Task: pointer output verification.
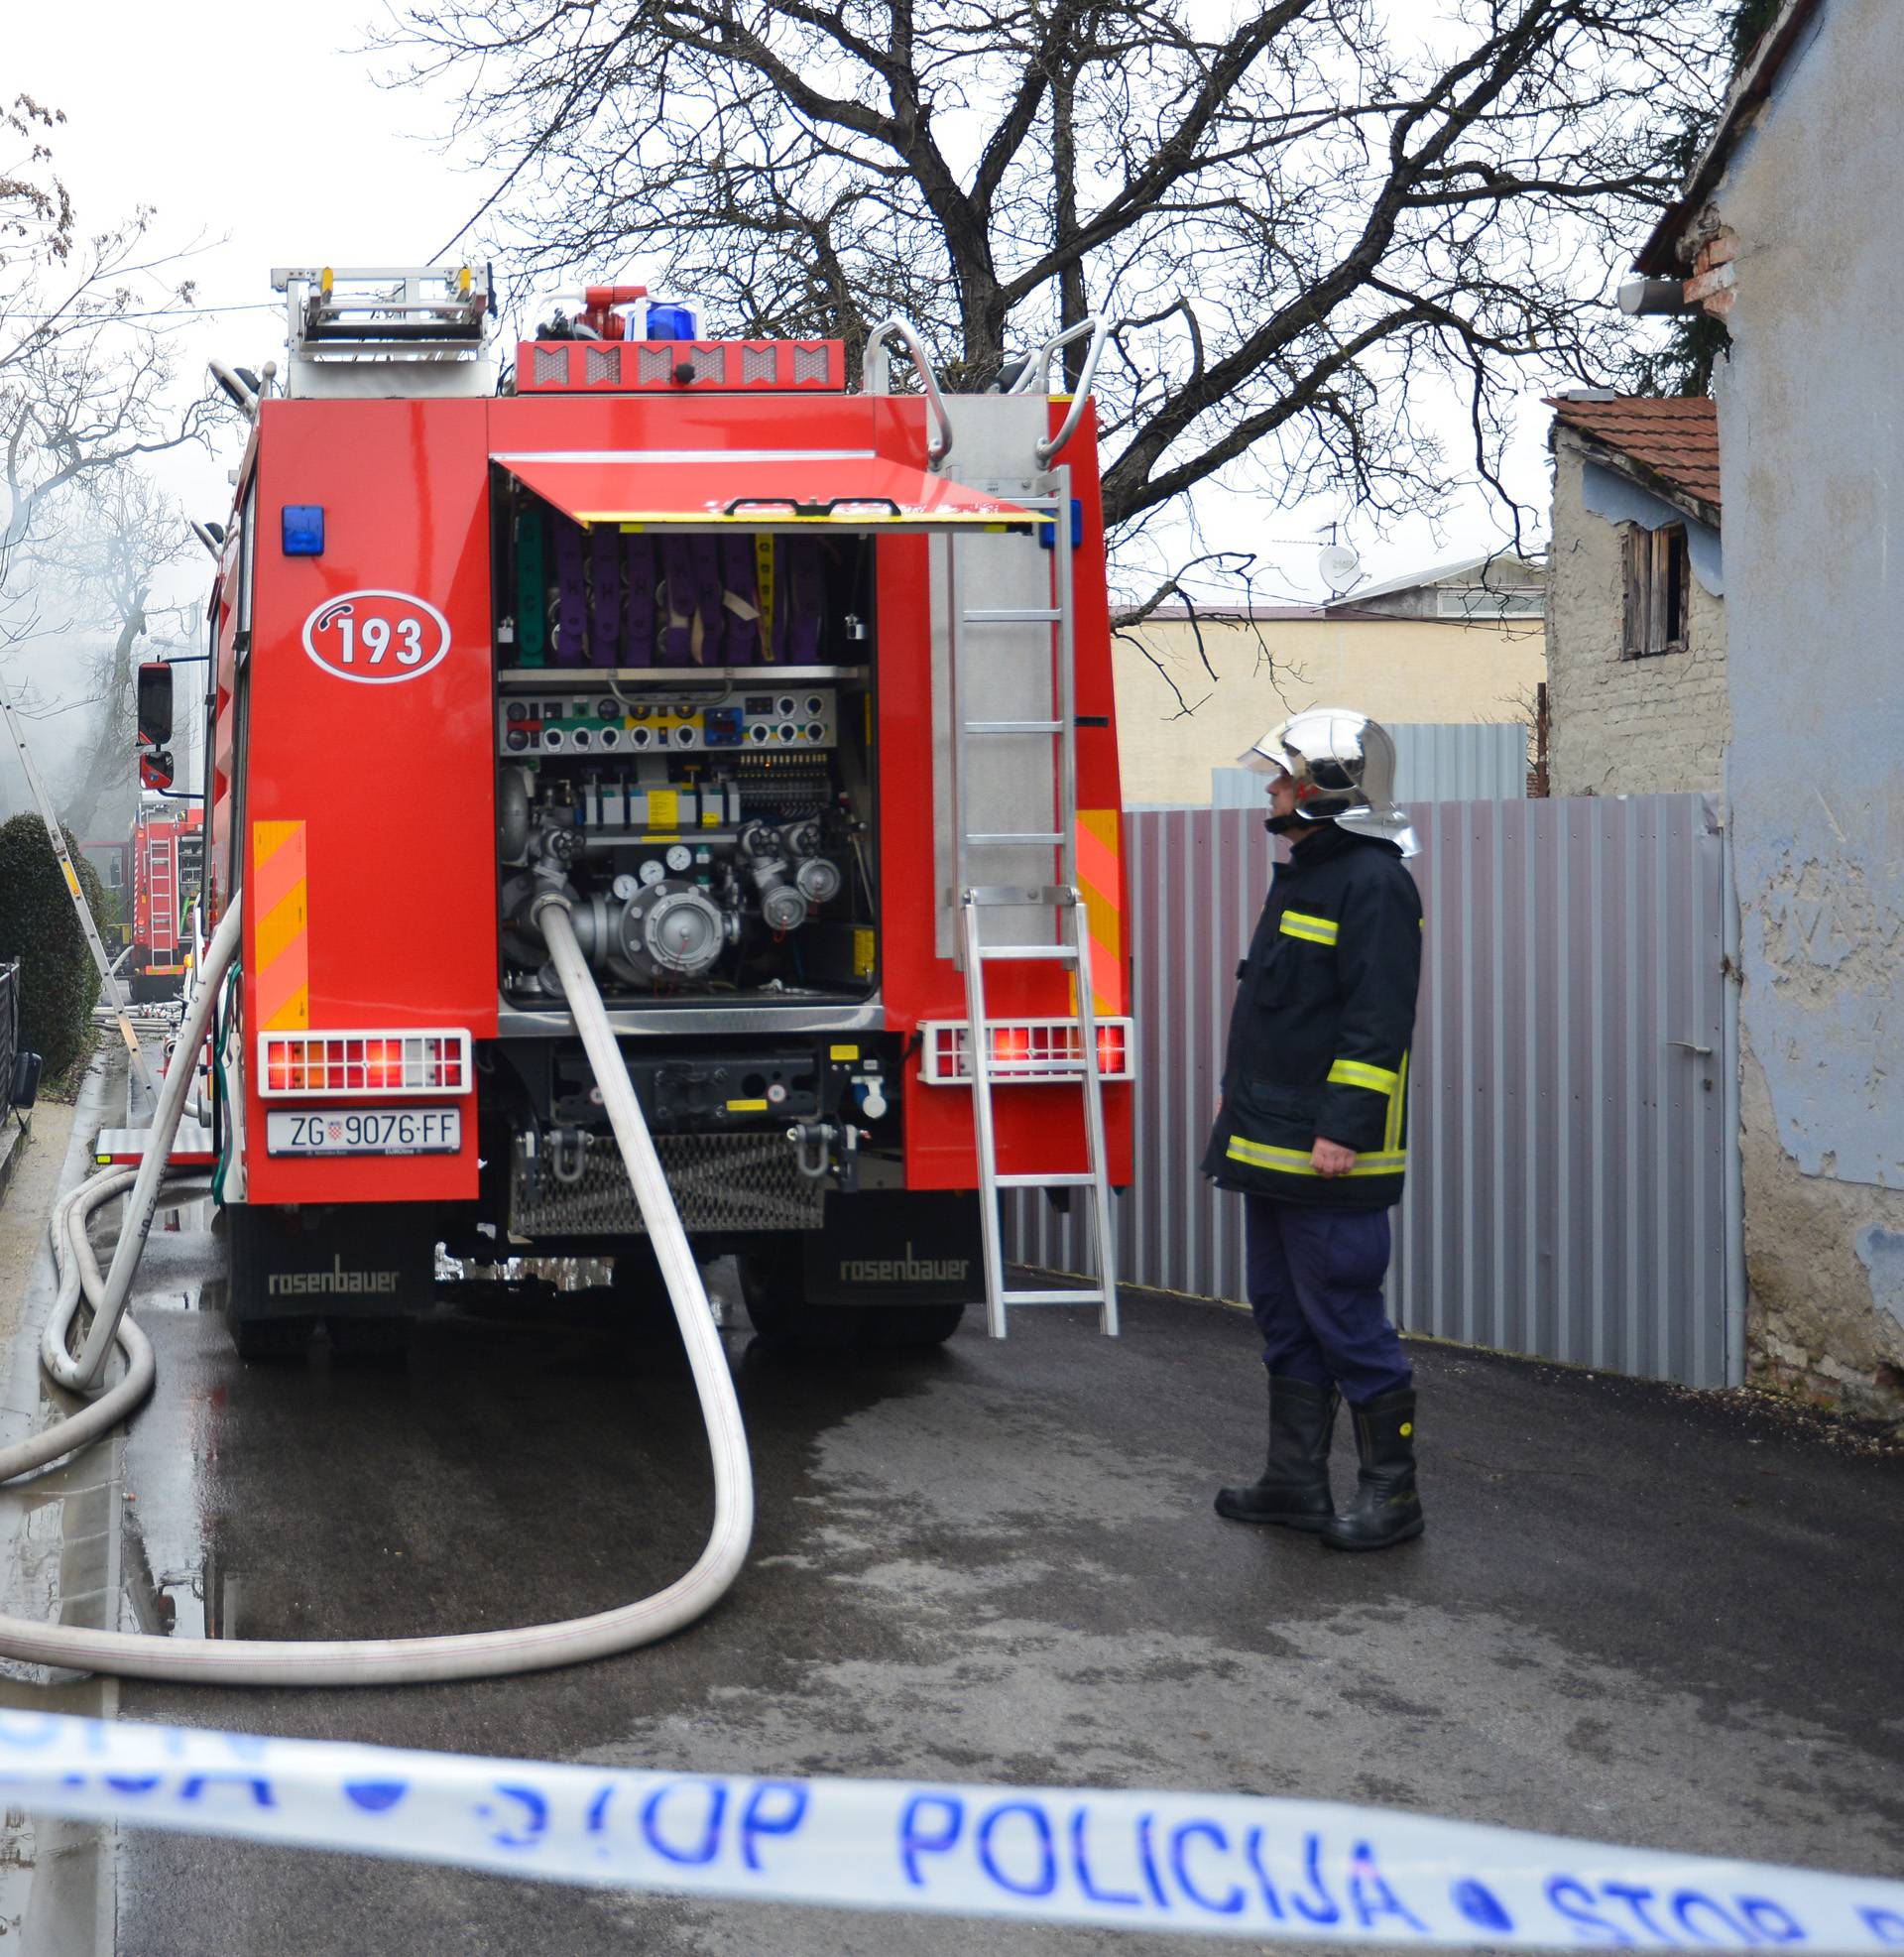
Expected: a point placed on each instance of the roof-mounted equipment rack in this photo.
(385, 330)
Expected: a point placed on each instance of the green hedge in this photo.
(58, 982)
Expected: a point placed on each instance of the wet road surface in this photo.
(59, 1542)
(1636, 1615)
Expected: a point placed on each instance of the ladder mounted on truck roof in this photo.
(369, 331)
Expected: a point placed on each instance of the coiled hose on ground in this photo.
(377, 1660)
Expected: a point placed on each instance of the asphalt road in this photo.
(1638, 1614)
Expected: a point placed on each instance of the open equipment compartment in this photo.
(683, 729)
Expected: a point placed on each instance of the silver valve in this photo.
(784, 906)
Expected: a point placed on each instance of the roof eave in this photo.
(1434, 574)
(1661, 256)
(1656, 483)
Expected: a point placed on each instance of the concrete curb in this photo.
(59, 1538)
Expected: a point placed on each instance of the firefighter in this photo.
(1312, 1127)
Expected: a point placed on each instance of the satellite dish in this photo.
(1338, 566)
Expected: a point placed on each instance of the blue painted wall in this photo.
(1811, 435)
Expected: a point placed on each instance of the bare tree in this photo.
(117, 540)
(36, 214)
(88, 381)
(1291, 224)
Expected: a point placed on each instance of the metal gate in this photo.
(1572, 1142)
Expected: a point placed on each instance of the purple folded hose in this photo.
(741, 636)
(638, 567)
(605, 598)
(782, 600)
(677, 565)
(800, 600)
(706, 554)
(571, 595)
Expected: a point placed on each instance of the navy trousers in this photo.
(1314, 1286)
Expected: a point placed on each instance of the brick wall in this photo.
(1623, 726)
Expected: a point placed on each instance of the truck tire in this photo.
(907, 1327)
(273, 1341)
(643, 1311)
(386, 1340)
(778, 1312)
(267, 1338)
(301, 1249)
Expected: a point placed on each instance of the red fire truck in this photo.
(167, 873)
(802, 695)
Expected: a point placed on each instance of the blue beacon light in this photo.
(303, 529)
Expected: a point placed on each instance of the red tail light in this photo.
(1023, 1051)
(355, 1064)
(1010, 1043)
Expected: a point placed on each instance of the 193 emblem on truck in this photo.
(376, 637)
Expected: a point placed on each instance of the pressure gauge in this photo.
(625, 887)
(651, 871)
(679, 858)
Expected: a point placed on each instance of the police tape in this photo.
(1217, 1863)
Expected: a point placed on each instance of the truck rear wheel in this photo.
(361, 1267)
(645, 1312)
(259, 1336)
(386, 1339)
(780, 1312)
(273, 1341)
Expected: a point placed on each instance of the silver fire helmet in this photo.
(1344, 767)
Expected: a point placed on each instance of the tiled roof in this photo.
(1676, 436)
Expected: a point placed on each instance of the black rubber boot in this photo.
(1294, 1489)
(1386, 1510)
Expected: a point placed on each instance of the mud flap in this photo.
(896, 1247)
(331, 1261)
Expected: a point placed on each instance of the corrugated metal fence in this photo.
(1480, 761)
(1568, 1149)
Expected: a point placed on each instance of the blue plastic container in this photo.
(670, 323)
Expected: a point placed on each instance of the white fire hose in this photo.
(374, 1661)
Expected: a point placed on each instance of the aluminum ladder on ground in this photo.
(1053, 734)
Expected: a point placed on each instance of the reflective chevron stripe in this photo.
(280, 927)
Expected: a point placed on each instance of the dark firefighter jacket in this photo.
(1320, 1031)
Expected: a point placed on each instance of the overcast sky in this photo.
(256, 130)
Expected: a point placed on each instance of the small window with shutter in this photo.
(1658, 591)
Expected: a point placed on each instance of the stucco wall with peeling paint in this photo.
(1812, 459)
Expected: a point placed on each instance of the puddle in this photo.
(193, 1600)
(172, 1582)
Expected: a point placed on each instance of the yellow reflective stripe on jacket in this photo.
(1296, 1162)
(1360, 1073)
(1398, 1101)
(1300, 924)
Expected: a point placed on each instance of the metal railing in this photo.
(9, 1028)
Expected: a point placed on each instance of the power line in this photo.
(158, 313)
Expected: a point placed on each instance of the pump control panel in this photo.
(591, 722)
